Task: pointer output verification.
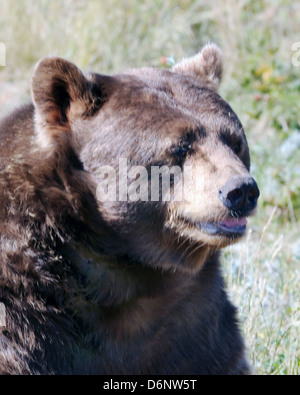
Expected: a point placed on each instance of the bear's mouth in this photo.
(232, 227)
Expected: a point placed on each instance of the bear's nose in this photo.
(240, 194)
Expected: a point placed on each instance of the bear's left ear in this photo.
(61, 92)
(206, 66)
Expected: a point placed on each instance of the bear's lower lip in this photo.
(228, 227)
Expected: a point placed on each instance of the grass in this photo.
(261, 84)
(263, 281)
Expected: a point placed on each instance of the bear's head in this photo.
(165, 156)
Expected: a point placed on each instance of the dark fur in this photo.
(103, 289)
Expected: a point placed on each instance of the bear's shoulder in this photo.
(16, 130)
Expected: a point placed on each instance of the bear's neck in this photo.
(125, 298)
(114, 281)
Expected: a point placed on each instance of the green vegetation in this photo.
(263, 87)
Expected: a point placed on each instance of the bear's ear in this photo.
(61, 92)
(207, 66)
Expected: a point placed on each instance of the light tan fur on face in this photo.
(201, 203)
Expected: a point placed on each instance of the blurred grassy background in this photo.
(261, 84)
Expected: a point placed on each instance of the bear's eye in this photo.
(237, 148)
(181, 150)
(235, 143)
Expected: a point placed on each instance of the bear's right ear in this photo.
(61, 92)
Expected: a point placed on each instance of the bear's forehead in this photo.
(172, 102)
(165, 82)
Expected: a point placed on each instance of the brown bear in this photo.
(122, 285)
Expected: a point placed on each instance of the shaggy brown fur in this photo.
(120, 287)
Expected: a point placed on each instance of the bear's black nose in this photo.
(240, 194)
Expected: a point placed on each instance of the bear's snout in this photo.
(240, 195)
